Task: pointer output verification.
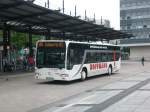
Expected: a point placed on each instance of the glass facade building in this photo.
(135, 18)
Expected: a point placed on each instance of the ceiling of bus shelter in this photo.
(23, 16)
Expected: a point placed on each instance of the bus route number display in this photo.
(51, 44)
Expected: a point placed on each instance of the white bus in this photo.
(70, 60)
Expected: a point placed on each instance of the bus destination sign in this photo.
(51, 44)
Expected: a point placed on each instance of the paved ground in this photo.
(126, 91)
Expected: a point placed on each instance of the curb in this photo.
(16, 75)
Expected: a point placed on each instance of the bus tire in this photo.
(83, 74)
(109, 71)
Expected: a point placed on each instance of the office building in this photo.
(135, 19)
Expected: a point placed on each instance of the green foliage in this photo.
(1, 35)
(18, 39)
(35, 38)
(21, 39)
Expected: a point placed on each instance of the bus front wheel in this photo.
(83, 75)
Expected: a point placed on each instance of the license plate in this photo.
(49, 78)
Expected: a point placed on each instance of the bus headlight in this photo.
(37, 74)
(64, 75)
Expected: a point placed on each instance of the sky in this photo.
(107, 9)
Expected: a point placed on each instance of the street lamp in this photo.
(63, 6)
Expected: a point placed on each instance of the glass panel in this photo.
(75, 56)
(40, 57)
(104, 57)
(51, 56)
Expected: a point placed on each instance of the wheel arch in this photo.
(85, 69)
(110, 66)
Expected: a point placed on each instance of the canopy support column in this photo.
(30, 42)
(6, 39)
(48, 34)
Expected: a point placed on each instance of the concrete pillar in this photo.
(48, 34)
(6, 43)
(9, 36)
(5, 40)
(64, 35)
(30, 42)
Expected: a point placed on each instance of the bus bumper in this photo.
(50, 78)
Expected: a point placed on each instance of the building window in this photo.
(128, 17)
(145, 26)
(128, 27)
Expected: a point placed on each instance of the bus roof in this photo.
(68, 41)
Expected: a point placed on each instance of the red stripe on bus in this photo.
(114, 57)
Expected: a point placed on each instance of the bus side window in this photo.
(71, 53)
(87, 57)
(98, 57)
(110, 57)
(104, 57)
(70, 58)
(117, 56)
(75, 56)
(92, 58)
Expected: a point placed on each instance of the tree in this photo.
(21, 39)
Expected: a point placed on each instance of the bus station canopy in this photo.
(24, 16)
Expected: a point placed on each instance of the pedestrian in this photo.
(31, 62)
(25, 63)
(142, 60)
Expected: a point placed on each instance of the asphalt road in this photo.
(22, 93)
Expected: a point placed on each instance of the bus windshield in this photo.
(50, 55)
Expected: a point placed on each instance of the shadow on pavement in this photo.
(74, 81)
